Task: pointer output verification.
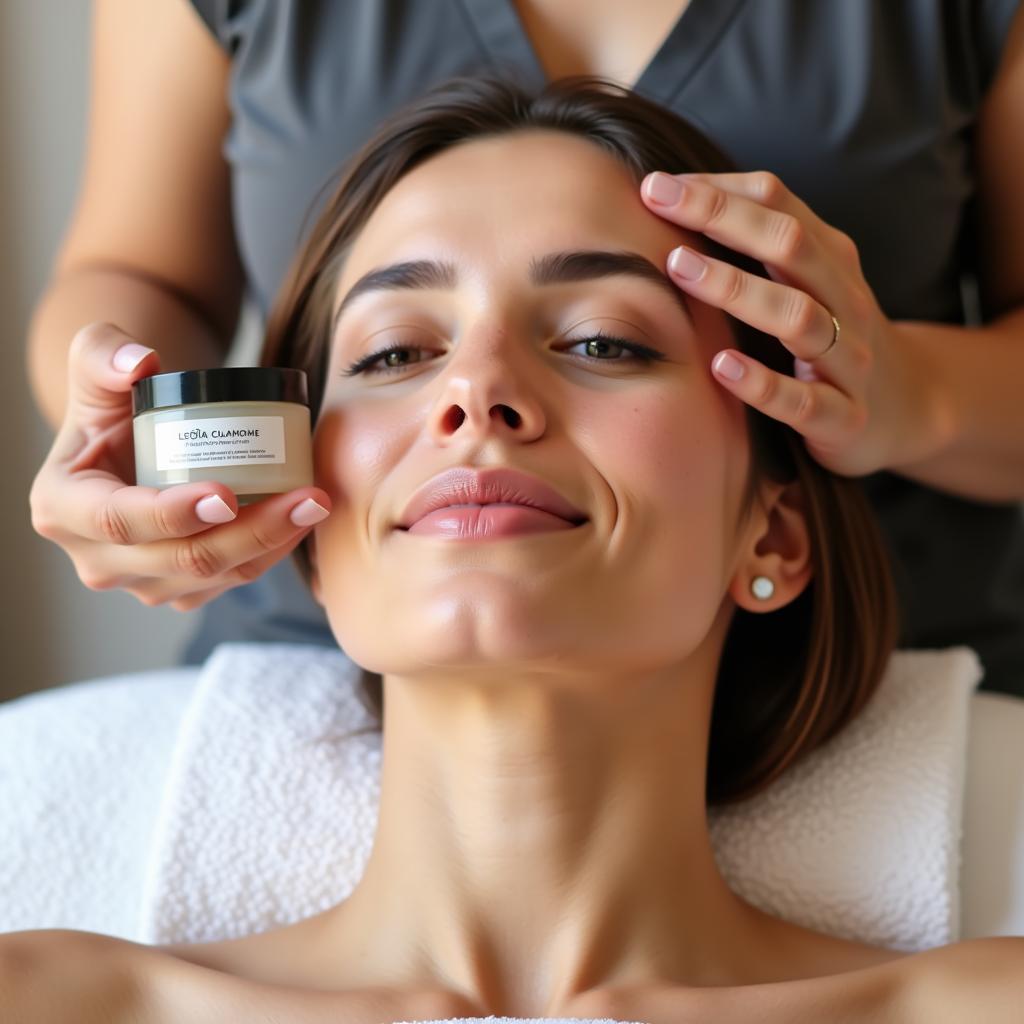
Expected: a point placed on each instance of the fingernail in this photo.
(686, 263)
(728, 366)
(308, 512)
(127, 357)
(663, 189)
(214, 509)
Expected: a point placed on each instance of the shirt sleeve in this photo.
(221, 17)
(992, 28)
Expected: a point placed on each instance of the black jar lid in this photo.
(220, 384)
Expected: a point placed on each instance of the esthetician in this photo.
(891, 223)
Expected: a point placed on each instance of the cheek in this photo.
(353, 451)
(353, 454)
(350, 455)
(665, 452)
(671, 462)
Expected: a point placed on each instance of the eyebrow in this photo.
(555, 268)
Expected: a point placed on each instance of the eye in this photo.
(368, 363)
(600, 342)
(597, 342)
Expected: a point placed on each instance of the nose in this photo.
(488, 389)
(456, 416)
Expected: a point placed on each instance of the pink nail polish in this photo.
(308, 513)
(127, 357)
(214, 509)
(686, 263)
(663, 189)
(728, 366)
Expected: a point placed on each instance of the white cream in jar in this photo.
(247, 427)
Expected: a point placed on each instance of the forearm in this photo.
(144, 308)
(976, 434)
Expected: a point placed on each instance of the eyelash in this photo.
(642, 352)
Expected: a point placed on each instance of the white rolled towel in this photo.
(265, 822)
(199, 804)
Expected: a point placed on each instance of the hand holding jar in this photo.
(182, 543)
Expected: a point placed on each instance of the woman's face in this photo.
(494, 372)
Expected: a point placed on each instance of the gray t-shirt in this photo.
(865, 109)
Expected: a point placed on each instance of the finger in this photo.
(768, 189)
(762, 186)
(803, 325)
(103, 363)
(149, 592)
(779, 238)
(189, 602)
(97, 506)
(213, 557)
(818, 411)
(184, 596)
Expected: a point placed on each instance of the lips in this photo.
(468, 486)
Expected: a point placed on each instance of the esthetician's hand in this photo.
(869, 402)
(161, 546)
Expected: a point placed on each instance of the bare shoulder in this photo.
(278, 955)
(288, 955)
(108, 981)
(24, 953)
(979, 979)
(239, 979)
(44, 971)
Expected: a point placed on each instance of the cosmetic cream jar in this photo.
(247, 427)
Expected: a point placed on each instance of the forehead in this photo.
(494, 203)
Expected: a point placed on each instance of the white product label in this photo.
(230, 441)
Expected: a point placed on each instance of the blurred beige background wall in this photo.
(52, 629)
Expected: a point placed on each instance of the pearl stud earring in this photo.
(762, 587)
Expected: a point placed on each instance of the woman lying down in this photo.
(593, 593)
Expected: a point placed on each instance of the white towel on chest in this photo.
(267, 818)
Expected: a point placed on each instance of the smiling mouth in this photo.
(471, 521)
(503, 504)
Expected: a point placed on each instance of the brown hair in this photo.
(788, 680)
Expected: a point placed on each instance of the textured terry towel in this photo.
(79, 769)
(267, 820)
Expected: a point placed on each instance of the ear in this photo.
(776, 544)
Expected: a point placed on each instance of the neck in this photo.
(540, 837)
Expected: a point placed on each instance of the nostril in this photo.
(455, 418)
